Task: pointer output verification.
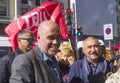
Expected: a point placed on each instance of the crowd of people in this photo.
(46, 64)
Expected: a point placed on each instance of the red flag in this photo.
(32, 19)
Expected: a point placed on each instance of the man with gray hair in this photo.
(25, 39)
(92, 68)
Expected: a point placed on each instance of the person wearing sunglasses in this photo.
(26, 43)
(25, 39)
(39, 65)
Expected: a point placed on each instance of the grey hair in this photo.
(22, 32)
(90, 38)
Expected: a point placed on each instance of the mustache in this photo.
(96, 53)
(55, 45)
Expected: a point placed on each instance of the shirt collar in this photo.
(43, 56)
(90, 62)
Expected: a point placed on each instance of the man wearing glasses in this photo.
(25, 41)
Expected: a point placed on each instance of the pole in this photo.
(109, 44)
(16, 8)
(75, 27)
(68, 3)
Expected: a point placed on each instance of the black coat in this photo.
(5, 65)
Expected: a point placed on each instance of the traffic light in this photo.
(79, 32)
(68, 18)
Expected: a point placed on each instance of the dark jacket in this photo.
(80, 72)
(30, 68)
(5, 65)
(64, 69)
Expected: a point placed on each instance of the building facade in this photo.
(12, 9)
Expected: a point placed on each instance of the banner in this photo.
(32, 19)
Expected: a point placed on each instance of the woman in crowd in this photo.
(109, 55)
(66, 57)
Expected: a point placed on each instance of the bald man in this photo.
(39, 65)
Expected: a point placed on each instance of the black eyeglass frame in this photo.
(28, 39)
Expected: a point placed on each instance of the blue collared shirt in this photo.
(52, 65)
(92, 67)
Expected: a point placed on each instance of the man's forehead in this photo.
(91, 43)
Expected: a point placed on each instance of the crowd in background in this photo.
(45, 63)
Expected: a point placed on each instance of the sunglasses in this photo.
(28, 39)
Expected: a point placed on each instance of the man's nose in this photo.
(93, 48)
(55, 41)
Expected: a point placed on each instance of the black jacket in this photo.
(5, 65)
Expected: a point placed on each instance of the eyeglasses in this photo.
(28, 39)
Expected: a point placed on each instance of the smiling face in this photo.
(91, 49)
(49, 38)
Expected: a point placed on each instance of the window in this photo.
(2, 27)
(37, 2)
(24, 1)
(24, 10)
(3, 11)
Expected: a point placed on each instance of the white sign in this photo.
(108, 31)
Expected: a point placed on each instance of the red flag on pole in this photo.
(32, 19)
